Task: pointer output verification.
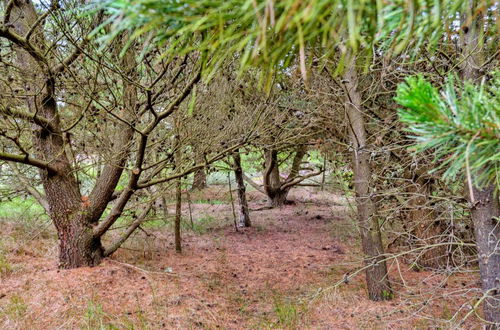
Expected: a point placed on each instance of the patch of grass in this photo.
(5, 267)
(258, 227)
(446, 314)
(155, 223)
(219, 178)
(212, 281)
(16, 309)
(421, 324)
(201, 225)
(96, 318)
(287, 312)
(209, 201)
(241, 301)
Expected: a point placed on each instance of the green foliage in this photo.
(273, 33)
(219, 178)
(461, 125)
(340, 174)
(22, 208)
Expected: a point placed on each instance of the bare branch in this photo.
(70, 58)
(40, 121)
(24, 44)
(26, 159)
(137, 222)
(253, 184)
(299, 179)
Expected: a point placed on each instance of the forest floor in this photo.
(284, 272)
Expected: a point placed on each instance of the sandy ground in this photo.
(281, 273)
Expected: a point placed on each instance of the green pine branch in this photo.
(460, 124)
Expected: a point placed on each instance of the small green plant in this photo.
(446, 314)
(95, 317)
(259, 227)
(5, 267)
(387, 294)
(16, 309)
(287, 312)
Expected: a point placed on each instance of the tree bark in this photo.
(272, 182)
(244, 218)
(278, 198)
(376, 271)
(77, 244)
(178, 214)
(484, 202)
(485, 212)
(178, 189)
(276, 189)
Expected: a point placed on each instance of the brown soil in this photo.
(279, 274)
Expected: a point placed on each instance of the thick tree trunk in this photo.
(485, 212)
(276, 189)
(244, 218)
(278, 198)
(425, 227)
(484, 202)
(272, 182)
(376, 273)
(77, 245)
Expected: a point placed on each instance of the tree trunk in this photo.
(485, 212)
(376, 273)
(177, 222)
(164, 207)
(178, 189)
(272, 182)
(77, 245)
(484, 202)
(244, 219)
(278, 198)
